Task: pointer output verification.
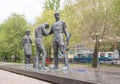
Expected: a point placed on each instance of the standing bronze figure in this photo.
(40, 49)
(58, 28)
(27, 47)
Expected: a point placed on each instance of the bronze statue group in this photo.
(58, 29)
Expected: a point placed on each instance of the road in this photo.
(12, 78)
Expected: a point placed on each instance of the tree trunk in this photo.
(119, 53)
(49, 51)
(95, 56)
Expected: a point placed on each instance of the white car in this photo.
(106, 62)
(114, 61)
(117, 62)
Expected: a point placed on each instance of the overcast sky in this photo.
(30, 8)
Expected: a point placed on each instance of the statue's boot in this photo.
(65, 68)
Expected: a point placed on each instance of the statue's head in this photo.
(39, 28)
(28, 32)
(46, 25)
(57, 15)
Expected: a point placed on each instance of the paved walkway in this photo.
(12, 78)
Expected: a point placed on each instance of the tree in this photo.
(52, 4)
(116, 20)
(70, 16)
(96, 21)
(92, 20)
(13, 30)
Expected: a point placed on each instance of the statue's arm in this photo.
(30, 39)
(50, 31)
(23, 41)
(65, 30)
(45, 33)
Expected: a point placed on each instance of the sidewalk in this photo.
(12, 78)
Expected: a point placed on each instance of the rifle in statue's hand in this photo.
(30, 39)
(67, 41)
(66, 49)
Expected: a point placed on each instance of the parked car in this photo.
(107, 62)
(113, 61)
(116, 61)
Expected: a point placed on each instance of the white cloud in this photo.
(29, 8)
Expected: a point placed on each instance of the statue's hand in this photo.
(46, 25)
(67, 40)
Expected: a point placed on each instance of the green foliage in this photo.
(52, 4)
(12, 32)
(116, 4)
(92, 16)
(69, 15)
(46, 17)
(116, 16)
